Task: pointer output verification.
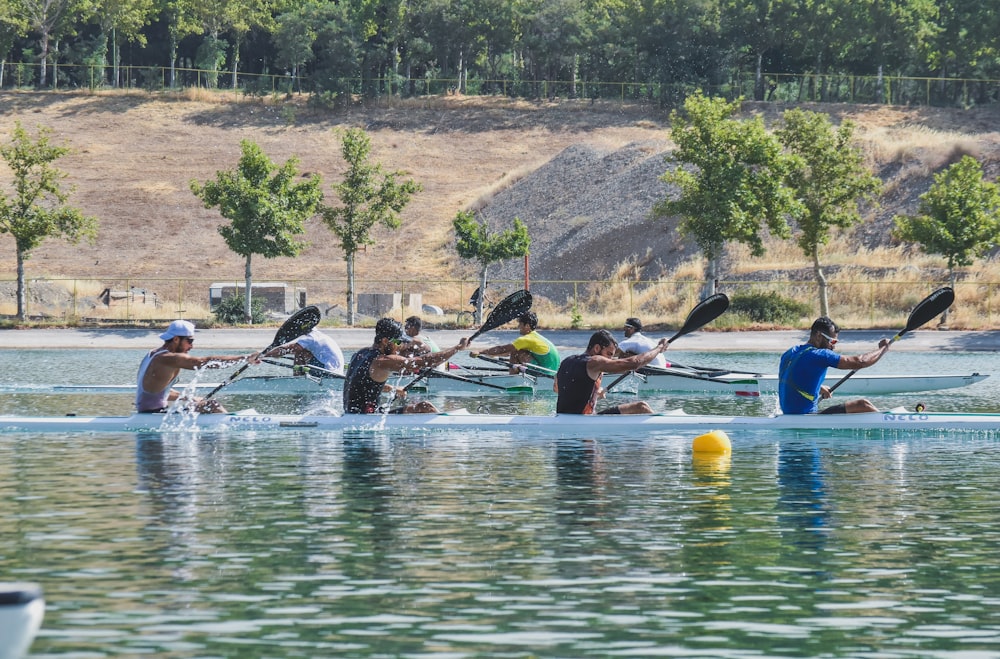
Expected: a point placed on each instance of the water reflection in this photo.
(581, 479)
(711, 526)
(367, 492)
(803, 500)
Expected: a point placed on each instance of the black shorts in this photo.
(611, 410)
(839, 408)
(158, 410)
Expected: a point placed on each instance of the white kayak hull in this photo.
(21, 611)
(732, 384)
(562, 424)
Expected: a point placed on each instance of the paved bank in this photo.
(928, 340)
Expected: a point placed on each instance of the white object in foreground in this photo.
(21, 612)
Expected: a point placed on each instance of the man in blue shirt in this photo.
(803, 369)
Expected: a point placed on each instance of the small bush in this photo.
(230, 310)
(768, 308)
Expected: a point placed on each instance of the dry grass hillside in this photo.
(582, 176)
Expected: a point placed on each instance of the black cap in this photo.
(634, 323)
(387, 328)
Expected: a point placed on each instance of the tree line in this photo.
(377, 47)
(733, 181)
(736, 180)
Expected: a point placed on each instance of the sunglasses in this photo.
(828, 337)
(396, 342)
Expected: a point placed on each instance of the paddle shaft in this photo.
(459, 378)
(232, 377)
(322, 372)
(531, 369)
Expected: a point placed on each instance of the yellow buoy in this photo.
(712, 442)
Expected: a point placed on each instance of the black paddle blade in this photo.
(704, 312)
(933, 305)
(507, 310)
(299, 323)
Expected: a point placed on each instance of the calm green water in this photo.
(494, 545)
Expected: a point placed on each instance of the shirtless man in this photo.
(578, 382)
(160, 369)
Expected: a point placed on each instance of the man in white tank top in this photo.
(160, 369)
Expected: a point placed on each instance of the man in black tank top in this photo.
(370, 368)
(578, 381)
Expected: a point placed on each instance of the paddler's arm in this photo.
(191, 362)
(495, 351)
(597, 364)
(854, 362)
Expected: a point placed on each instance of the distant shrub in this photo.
(768, 308)
(230, 310)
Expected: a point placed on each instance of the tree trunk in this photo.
(350, 290)
(711, 280)
(236, 63)
(55, 66)
(758, 78)
(880, 85)
(115, 60)
(482, 296)
(247, 315)
(575, 77)
(43, 58)
(824, 303)
(173, 60)
(22, 296)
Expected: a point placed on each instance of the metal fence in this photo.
(785, 87)
(445, 303)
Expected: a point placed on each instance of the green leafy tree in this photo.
(755, 27)
(368, 196)
(265, 207)
(730, 177)
(475, 241)
(830, 180)
(37, 207)
(52, 19)
(12, 27)
(958, 217)
(181, 21)
(122, 20)
(891, 34)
